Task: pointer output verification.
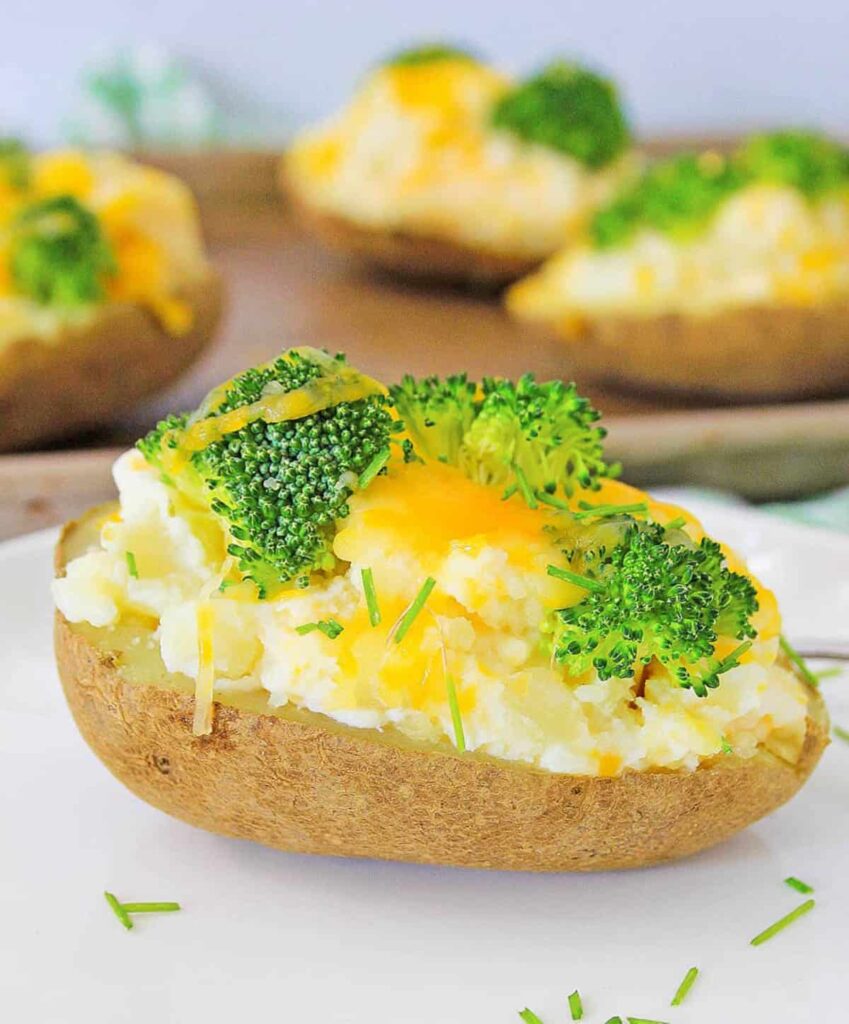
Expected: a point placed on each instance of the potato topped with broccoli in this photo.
(441, 166)
(435, 589)
(105, 290)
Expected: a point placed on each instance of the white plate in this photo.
(270, 936)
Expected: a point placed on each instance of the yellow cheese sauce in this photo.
(150, 221)
(481, 624)
(414, 151)
(767, 245)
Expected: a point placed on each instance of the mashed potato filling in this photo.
(767, 244)
(481, 623)
(149, 219)
(414, 151)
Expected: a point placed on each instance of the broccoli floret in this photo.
(651, 592)
(536, 438)
(279, 488)
(58, 253)
(15, 167)
(428, 53)
(567, 108)
(811, 163)
(676, 196)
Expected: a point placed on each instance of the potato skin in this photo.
(757, 354)
(310, 785)
(50, 389)
(407, 255)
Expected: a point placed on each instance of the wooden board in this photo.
(285, 290)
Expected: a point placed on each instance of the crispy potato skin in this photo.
(757, 354)
(406, 255)
(318, 787)
(50, 389)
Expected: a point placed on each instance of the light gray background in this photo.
(683, 66)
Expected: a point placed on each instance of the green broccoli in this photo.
(15, 166)
(58, 253)
(280, 482)
(651, 592)
(535, 438)
(811, 163)
(567, 108)
(428, 53)
(677, 196)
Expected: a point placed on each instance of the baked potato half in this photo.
(720, 277)
(302, 782)
(106, 293)
(422, 623)
(440, 168)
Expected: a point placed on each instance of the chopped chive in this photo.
(613, 1020)
(675, 524)
(685, 986)
(118, 910)
(509, 492)
(226, 584)
(456, 718)
(373, 468)
(726, 746)
(781, 924)
(330, 627)
(841, 734)
(576, 1007)
(798, 661)
(549, 499)
(525, 487)
(573, 577)
(529, 1017)
(829, 673)
(371, 597)
(644, 1020)
(167, 907)
(799, 885)
(603, 511)
(132, 568)
(410, 614)
(733, 659)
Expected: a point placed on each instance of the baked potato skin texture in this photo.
(757, 354)
(314, 786)
(51, 389)
(406, 255)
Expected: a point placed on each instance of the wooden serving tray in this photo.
(285, 290)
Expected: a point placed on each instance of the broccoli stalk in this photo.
(651, 592)
(535, 438)
(58, 253)
(280, 482)
(567, 108)
(427, 53)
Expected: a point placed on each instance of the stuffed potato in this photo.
(422, 624)
(727, 277)
(105, 292)
(441, 167)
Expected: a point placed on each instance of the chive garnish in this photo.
(614, 1020)
(410, 614)
(644, 1020)
(726, 746)
(371, 597)
(676, 524)
(456, 718)
(841, 734)
(799, 885)
(168, 907)
(525, 487)
(828, 673)
(118, 910)
(781, 924)
(798, 661)
(330, 627)
(373, 468)
(549, 499)
(733, 659)
(132, 568)
(685, 986)
(573, 577)
(226, 584)
(529, 1017)
(576, 1007)
(602, 511)
(509, 492)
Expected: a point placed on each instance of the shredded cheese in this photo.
(204, 685)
